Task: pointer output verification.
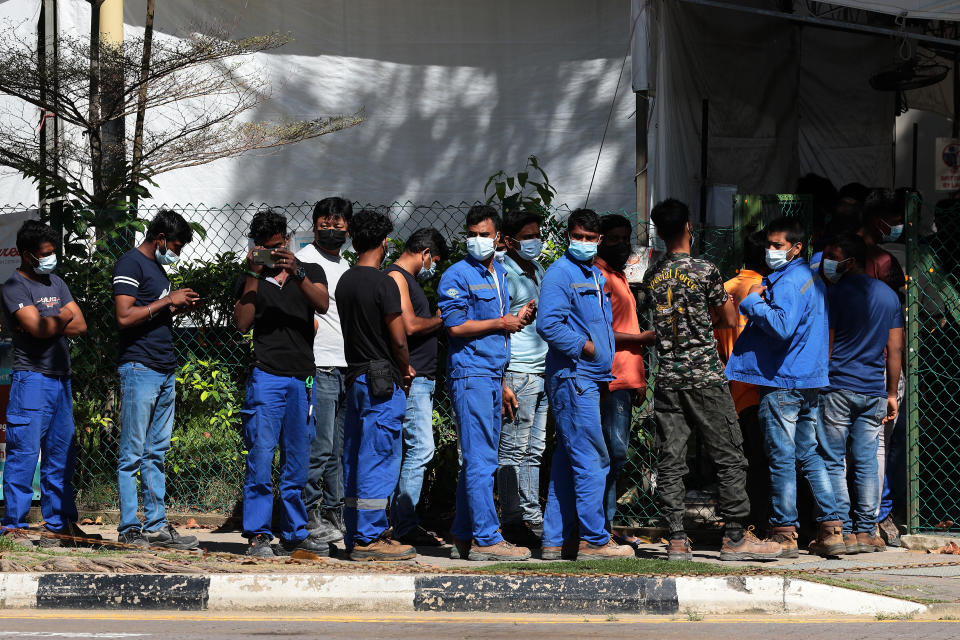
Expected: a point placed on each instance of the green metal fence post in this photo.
(912, 219)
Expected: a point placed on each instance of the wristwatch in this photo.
(300, 273)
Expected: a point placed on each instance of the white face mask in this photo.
(777, 258)
(167, 258)
(45, 265)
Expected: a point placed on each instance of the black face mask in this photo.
(615, 255)
(331, 238)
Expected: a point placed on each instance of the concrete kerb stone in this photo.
(443, 593)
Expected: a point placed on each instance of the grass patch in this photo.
(693, 616)
(895, 616)
(626, 566)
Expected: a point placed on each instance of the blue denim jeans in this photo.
(146, 423)
(789, 418)
(852, 422)
(616, 411)
(39, 424)
(522, 441)
(325, 475)
(417, 453)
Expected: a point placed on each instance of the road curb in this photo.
(442, 593)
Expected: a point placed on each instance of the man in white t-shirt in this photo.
(323, 495)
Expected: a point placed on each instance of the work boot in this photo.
(334, 517)
(850, 542)
(321, 529)
(870, 542)
(611, 549)
(260, 546)
(308, 544)
(133, 537)
(420, 537)
(383, 549)
(748, 546)
(568, 551)
(521, 534)
(502, 551)
(168, 538)
(786, 537)
(679, 548)
(889, 532)
(829, 540)
(460, 550)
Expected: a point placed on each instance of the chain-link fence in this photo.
(933, 366)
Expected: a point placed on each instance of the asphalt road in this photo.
(214, 626)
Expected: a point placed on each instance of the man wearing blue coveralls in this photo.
(575, 319)
(278, 297)
(378, 376)
(475, 303)
(41, 313)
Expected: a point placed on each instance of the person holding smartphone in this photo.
(278, 301)
(144, 306)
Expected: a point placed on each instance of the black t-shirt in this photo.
(50, 356)
(423, 348)
(365, 297)
(283, 325)
(151, 342)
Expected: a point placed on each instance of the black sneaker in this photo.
(521, 535)
(133, 537)
(308, 544)
(321, 529)
(260, 546)
(420, 537)
(168, 538)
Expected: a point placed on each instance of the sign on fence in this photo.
(947, 164)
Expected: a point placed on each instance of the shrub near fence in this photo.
(205, 463)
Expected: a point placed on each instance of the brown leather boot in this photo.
(382, 550)
(749, 547)
(829, 540)
(786, 537)
(611, 549)
(679, 549)
(870, 542)
(850, 542)
(567, 552)
(502, 551)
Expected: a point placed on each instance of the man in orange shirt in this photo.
(745, 396)
(629, 386)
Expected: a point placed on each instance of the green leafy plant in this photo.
(516, 192)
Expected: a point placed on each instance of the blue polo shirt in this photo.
(528, 350)
(469, 291)
(574, 308)
(863, 310)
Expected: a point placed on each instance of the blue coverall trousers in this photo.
(477, 403)
(372, 453)
(276, 411)
(580, 465)
(39, 421)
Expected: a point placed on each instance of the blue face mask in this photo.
(895, 232)
(45, 265)
(426, 274)
(582, 251)
(480, 248)
(777, 258)
(167, 258)
(531, 249)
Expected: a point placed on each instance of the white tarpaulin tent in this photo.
(784, 99)
(451, 92)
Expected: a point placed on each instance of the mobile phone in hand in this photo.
(264, 257)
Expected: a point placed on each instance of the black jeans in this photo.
(758, 473)
(711, 413)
